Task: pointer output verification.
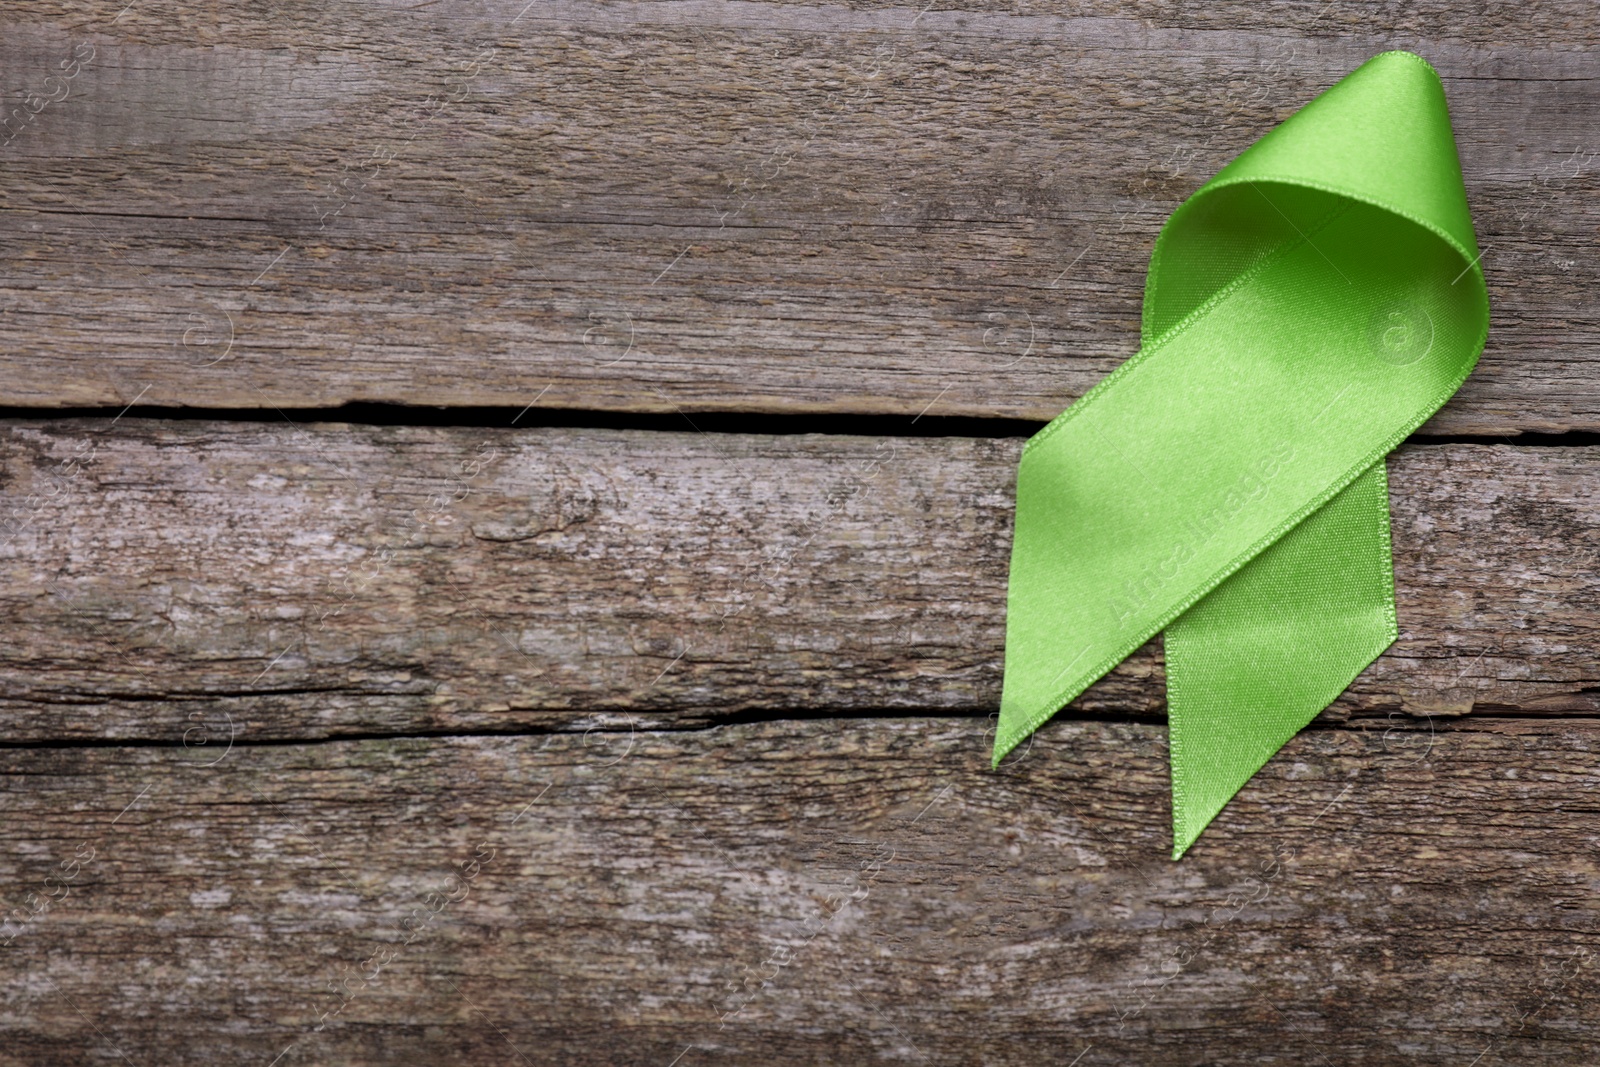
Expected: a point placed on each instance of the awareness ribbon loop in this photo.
(1305, 311)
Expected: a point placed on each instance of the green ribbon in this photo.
(1305, 311)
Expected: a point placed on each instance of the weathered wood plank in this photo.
(207, 579)
(820, 892)
(733, 206)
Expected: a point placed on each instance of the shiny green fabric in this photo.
(1305, 310)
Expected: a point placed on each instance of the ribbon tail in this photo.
(1265, 652)
(1047, 664)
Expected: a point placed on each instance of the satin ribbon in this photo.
(1305, 310)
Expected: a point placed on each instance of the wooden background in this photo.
(506, 510)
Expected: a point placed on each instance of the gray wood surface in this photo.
(219, 579)
(733, 206)
(335, 744)
(846, 891)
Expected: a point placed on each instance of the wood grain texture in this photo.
(334, 744)
(213, 579)
(824, 892)
(735, 206)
